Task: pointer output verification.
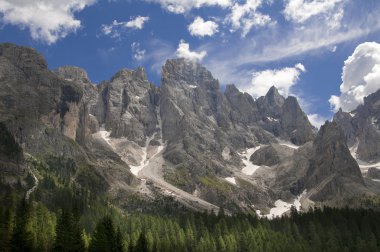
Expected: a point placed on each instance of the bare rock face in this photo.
(29, 90)
(127, 105)
(362, 128)
(344, 120)
(271, 155)
(373, 173)
(88, 124)
(194, 116)
(333, 172)
(243, 108)
(271, 103)
(48, 113)
(294, 122)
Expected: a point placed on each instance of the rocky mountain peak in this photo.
(332, 169)
(72, 73)
(25, 58)
(182, 71)
(295, 122)
(127, 75)
(231, 89)
(271, 103)
(274, 98)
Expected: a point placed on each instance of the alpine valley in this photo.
(129, 149)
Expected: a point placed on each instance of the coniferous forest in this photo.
(31, 226)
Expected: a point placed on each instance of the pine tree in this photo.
(119, 241)
(69, 235)
(21, 236)
(142, 245)
(104, 238)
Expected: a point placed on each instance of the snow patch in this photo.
(272, 119)
(364, 166)
(145, 160)
(297, 202)
(288, 144)
(231, 180)
(105, 135)
(281, 207)
(192, 86)
(376, 180)
(249, 168)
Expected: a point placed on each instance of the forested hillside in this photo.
(31, 226)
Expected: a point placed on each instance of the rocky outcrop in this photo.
(362, 128)
(294, 122)
(271, 103)
(29, 90)
(48, 113)
(344, 120)
(373, 173)
(333, 173)
(243, 108)
(271, 155)
(127, 105)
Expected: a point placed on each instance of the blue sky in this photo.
(298, 45)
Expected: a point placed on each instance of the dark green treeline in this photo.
(32, 227)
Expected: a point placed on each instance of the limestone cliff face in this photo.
(127, 105)
(30, 91)
(294, 123)
(362, 128)
(333, 172)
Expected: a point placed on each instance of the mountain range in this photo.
(190, 140)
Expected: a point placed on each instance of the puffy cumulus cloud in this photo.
(283, 79)
(137, 23)
(360, 77)
(183, 6)
(137, 53)
(201, 28)
(183, 51)
(299, 11)
(115, 29)
(47, 20)
(317, 120)
(245, 16)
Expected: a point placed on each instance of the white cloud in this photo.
(317, 120)
(137, 23)
(47, 20)
(183, 51)
(201, 28)
(245, 16)
(283, 79)
(360, 77)
(183, 6)
(115, 29)
(299, 11)
(137, 53)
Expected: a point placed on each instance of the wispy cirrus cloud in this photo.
(183, 6)
(116, 28)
